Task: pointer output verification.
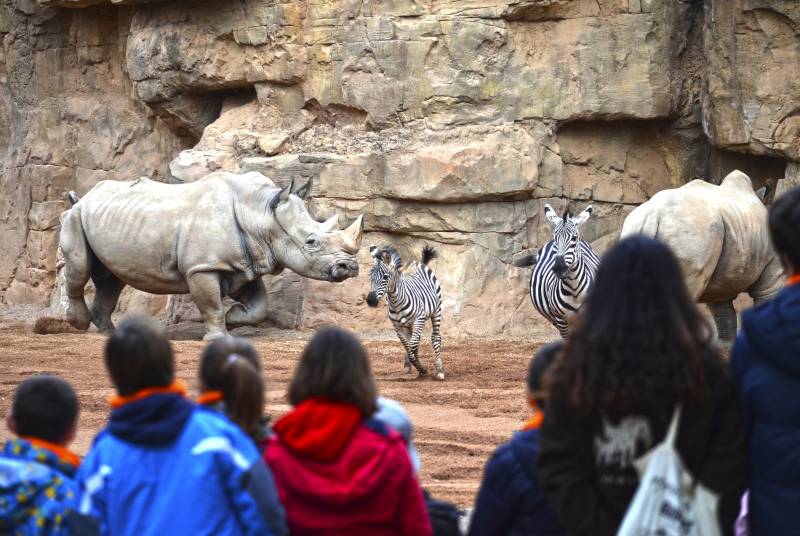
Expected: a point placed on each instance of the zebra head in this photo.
(387, 262)
(566, 238)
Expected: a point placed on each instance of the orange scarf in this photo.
(209, 397)
(793, 280)
(63, 454)
(177, 387)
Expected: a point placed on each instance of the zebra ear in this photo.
(374, 252)
(583, 216)
(385, 257)
(551, 215)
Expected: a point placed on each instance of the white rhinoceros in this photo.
(211, 238)
(719, 235)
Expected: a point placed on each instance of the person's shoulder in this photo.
(209, 431)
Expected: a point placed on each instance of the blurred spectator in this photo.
(231, 384)
(444, 516)
(161, 467)
(766, 364)
(38, 494)
(339, 471)
(640, 349)
(509, 501)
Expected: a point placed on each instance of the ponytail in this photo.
(243, 392)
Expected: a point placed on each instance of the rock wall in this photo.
(445, 122)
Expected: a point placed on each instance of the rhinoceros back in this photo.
(151, 235)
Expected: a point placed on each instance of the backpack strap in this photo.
(672, 433)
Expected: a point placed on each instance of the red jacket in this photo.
(338, 473)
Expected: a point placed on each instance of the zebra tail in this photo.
(428, 254)
(527, 260)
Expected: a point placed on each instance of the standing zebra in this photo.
(564, 269)
(413, 296)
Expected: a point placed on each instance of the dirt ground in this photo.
(457, 422)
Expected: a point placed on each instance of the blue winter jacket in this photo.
(509, 502)
(766, 363)
(163, 466)
(37, 491)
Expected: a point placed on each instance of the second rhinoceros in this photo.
(211, 238)
(719, 235)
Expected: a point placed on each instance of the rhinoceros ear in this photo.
(282, 196)
(304, 190)
(762, 193)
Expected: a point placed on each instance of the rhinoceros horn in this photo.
(330, 224)
(353, 234)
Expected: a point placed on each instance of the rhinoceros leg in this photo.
(77, 268)
(252, 306)
(105, 300)
(206, 293)
(725, 318)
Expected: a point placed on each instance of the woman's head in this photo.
(232, 366)
(334, 365)
(138, 355)
(639, 338)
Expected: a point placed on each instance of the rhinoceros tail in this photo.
(72, 197)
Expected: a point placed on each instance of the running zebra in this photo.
(413, 296)
(563, 270)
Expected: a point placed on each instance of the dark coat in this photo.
(509, 501)
(766, 364)
(585, 461)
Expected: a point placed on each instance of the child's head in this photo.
(334, 365)
(138, 356)
(46, 408)
(784, 226)
(537, 368)
(232, 366)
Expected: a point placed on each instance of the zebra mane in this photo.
(396, 260)
(567, 214)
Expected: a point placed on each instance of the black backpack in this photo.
(444, 516)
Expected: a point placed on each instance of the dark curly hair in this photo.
(639, 340)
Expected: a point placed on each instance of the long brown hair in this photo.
(640, 340)
(334, 365)
(232, 366)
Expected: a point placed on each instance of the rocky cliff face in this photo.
(446, 122)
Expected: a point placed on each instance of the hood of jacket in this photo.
(773, 330)
(154, 421)
(319, 429)
(366, 461)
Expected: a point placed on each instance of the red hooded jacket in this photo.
(340, 474)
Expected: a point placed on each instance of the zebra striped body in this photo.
(559, 299)
(413, 296)
(564, 270)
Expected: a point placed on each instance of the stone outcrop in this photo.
(447, 123)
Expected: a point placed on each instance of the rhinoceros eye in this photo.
(312, 242)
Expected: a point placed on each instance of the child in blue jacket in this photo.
(766, 364)
(38, 493)
(509, 502)
(163, 467)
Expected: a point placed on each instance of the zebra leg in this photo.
(436, 340)
(403, 334)
(413, 343)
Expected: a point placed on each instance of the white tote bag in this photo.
(669, 501)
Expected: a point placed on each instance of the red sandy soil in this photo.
(457, 422)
